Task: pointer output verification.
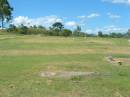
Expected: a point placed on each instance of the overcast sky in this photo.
(91, 15)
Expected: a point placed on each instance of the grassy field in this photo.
(24, 58)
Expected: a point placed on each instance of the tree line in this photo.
(115, 34)
(57, 29)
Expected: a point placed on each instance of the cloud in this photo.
(81, 17)
(71, 24)
(44, 21)
(113, 16)
(113, 28)
(118, 1)
(93, 15)
(108, 29)
(84, 18)
(21, 20)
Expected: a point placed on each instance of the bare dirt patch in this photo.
(70, 74)
(44, 52)
(118, 61)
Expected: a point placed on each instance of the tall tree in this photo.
(5, 12)
(58, 25)
(77, 31)
(100, 34)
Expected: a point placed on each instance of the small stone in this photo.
(120, 63)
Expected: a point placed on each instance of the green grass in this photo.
(23, 58)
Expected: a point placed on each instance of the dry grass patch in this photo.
(47, 40)
(117, 51)
(3, 38)
(45, 52)
(100, 42)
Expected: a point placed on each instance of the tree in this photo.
(58, 25)
(41, 27)
(66, 32)
(23, 29)
(5, 12)
(128, 33)
(116, 35)
(100, 34)
(12, 28)
(77, 31)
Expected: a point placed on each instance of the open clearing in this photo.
(36, 66)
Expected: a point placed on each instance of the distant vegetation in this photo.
(57, 29)
(114, 34)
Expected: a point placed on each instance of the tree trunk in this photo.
(2, 22)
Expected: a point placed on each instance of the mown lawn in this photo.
(23, 58)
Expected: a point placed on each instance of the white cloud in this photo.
(21, 20)
(113, 16)
(44, 21)
(81, 17)
(108, 29)
(118, 1)
(114, 29)
(71, 24)
(93, 15)
(84, 18)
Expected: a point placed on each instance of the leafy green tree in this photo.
(23, 29)
(58, 25)
(12, 28)
(56, 32)
(100, 34)
(5, 12)
(116, 35)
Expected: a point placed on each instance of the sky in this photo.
(91, 15)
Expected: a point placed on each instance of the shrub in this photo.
(66, 32)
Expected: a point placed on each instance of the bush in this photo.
(66, 32)
(116, 35)
(23, 30)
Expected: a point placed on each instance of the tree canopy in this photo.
(5, 12)
(58, 25)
